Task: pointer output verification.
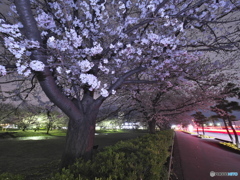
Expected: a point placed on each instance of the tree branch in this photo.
(45, 78)
(139, 82)
(122, 79)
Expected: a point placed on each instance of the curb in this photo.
(220, 140)
(170, 161)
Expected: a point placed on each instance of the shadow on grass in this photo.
(37, 159)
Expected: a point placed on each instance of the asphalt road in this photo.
(220, 136)
(195, 158)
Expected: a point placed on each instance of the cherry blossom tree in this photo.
(223, 110)
(200, 119)
(82, 52)
(172, 99)
(55, 119)
(112, 107)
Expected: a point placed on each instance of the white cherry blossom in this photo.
(104, 92)
(36, 65)
(85, 65)
(88, 49)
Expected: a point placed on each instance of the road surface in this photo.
(221, 136)
(195, 158)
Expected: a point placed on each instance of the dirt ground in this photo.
(38, 158)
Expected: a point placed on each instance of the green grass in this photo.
(110, 131)
(29, 133)
(37, 159)
(121, 131)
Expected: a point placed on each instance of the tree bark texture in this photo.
(234, 132)
(152, 126)
(82, 115)
(45, 78)
(79, 139)
(224, 120)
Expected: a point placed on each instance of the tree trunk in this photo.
(203, 129)
(227, 130)
(48, 128)
(213, 122)
(235, 133)
(152, 126)
(79, 139)
(49, 125)
(82, 115)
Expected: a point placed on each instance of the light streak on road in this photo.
(213, 130)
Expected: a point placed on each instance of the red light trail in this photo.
(215, 130)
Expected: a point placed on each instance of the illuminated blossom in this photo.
(104, 92)
(85, 65)
(113, 91)
(3, 70)
(36, 65)
(91, 80)
(16, 48)
(115, 37)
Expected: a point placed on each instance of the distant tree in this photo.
(223, 110)
(13, 114)
(111, 107)
(82, 52)
(55, 119)
(200, 119)
(158, 106)
(213, 119)
(7, 111)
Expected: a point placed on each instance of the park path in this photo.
(194, 158)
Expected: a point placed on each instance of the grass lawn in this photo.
(29, 133)
(37, 159)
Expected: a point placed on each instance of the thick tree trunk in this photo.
(80, 139)
(82, 115)
(152, 126)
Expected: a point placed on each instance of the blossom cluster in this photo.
(36, 65)
(10, 29)
(15, 47)
(113, 37)
(91, 80)
(85, 65)
(22, 68)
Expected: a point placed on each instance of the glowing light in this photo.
(36, 138)
(190, 128)
(97, 128)
(217, 130)
(173, 126)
